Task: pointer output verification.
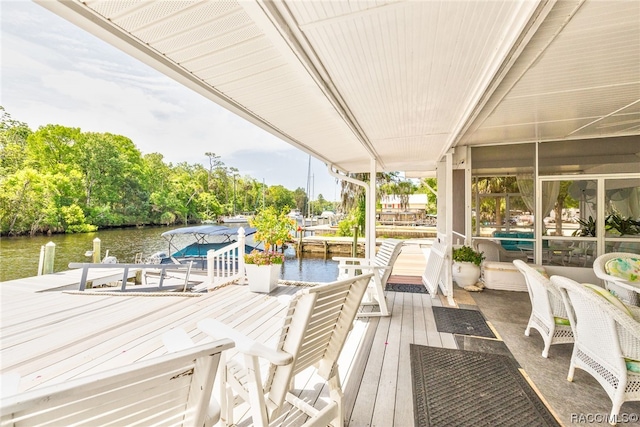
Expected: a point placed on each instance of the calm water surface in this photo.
(19, 255)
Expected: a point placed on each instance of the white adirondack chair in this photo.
(380, 266)
(433, 270)
(316, 326)
(174, 389)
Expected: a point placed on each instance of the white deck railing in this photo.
(226, 265)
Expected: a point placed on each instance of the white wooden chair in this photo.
(607, 342)
(599, 268)
(174, 389)
(548, 312)
(316, 326)
(380, 266)
(433, 270)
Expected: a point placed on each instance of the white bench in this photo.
(502, 276)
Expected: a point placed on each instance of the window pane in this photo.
(569, 252)
(503, 187)
(622, 223)
(569, 208)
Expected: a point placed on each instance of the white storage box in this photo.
(502, 276)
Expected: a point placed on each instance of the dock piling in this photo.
(96, 251)
(49, 255)
(354, 248)
(41, 261)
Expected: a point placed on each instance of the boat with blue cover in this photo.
(206, 237)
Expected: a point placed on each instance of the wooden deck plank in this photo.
(357, 350)
(385, 401)
(90, 316)
(403, 410)
(364, 405)
(433, 336)
(38, 307)
(419, 323)
(101, 346)
(80, 328)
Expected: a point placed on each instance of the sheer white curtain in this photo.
(550, 190)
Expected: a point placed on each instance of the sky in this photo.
(53, 72)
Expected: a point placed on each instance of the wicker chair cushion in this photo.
(633, 365)
(609, 297)
(624, 268)
(561, 321)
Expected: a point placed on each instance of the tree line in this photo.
(59, 179)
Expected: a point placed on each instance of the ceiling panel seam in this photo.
(604, 117)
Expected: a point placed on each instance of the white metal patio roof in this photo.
(402, 81)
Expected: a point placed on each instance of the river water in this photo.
(19, 255)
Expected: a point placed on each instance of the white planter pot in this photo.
(263, 278)
(465, 273)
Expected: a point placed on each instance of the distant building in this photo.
(392, 211)
(416, 202)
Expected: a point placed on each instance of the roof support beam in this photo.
(276, 21)
(370, 236)
(370, 218)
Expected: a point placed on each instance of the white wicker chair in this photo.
(493, 251)
(626, 295)
(548, 314)
(605, 336)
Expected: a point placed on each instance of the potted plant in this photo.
(466, 266)
(263, 268)
(587, 227)
(621, 226)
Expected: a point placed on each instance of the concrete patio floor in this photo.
(582, 402)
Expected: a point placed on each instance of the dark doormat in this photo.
(468, 388)
(406, 287)
(460, 321)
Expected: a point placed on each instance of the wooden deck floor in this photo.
(49, 337)
(383, 396)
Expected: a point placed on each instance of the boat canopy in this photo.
(207, 237)
(202, 231)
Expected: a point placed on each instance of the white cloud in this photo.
(56, 73)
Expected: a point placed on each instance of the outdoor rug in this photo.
(406, 287)
(468, 388)
(461, 321)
